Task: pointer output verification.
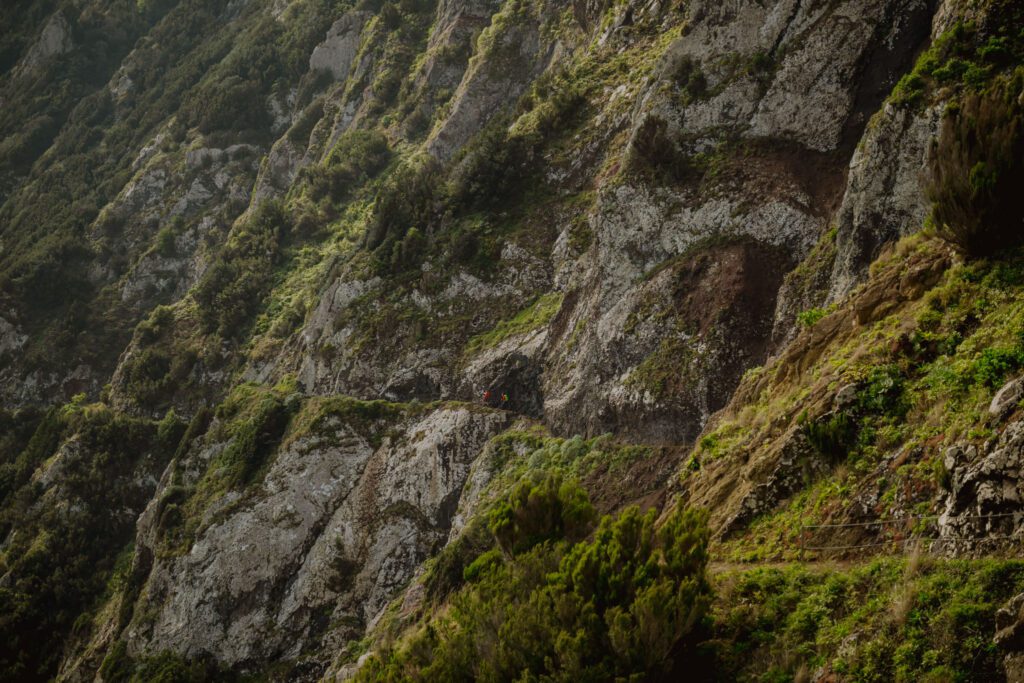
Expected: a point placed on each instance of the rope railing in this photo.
(894, 520)
(923, 539)
(804, 528)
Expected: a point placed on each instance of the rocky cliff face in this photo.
(346, 272)
(311, 558)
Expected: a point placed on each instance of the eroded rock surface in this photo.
(1010, 637)
(723, 168)
(303, 562)
(986, 492)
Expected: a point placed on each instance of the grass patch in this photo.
(887, 620)
(533, 317)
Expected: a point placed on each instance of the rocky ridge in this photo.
(617, 216)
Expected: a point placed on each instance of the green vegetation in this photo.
(624, 604)
(27, 438)
(164, 242)
(68, 537)
(977, 168)
(494, 170)
(538, 511)
(251, 422)
(153, 375)
(964, 56)
(170, 353)
(268, 54)
(536, 586)
(248, 429)
(533, 317)
(717, 443)
(405, 199)
(199, 64)
(166, 667)
(422, 209)
(357, 157)
(531, 456)
(686, 74)
(657, 153)
(373, 419)
(667, 369)
(395, 38)
(517, 451)
(233, 289)
(809, 280)
(812, 315)
(888, 620)
(880, 403)
(913, 378)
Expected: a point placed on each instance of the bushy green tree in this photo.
(231, 292)
(358, 156)
(57, 564)
(407, 198)
(541, 508)
(623, 605)
(977, 170)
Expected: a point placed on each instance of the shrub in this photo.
(977, 170)
(538, 509)
(154, 327)
(483, 562)
(153, 376)
(809, 317)
(994, 364)
(231, 104)
(58, 564)
(232, 291)
(409, 252)
(492, 166)
(117, 665)
(654, 150)
(882, 393)
(170, 429)
(255, 432)
(833, 436)
(405, 199)
(687, 75)
(164, 243)
(43, 434)
(165, 667)
(299, 133)
(496, 165)
(450, 569)
(358, 156)
(170, 667)
(622, 606)
(780, 618)
(880, 399)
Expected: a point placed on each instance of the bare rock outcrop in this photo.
(514, 52)
(307, 558)
(339, 48)
(985, 500)
(884, 198)
(1010, 637)
(53, 41)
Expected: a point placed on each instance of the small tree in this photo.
(977, 170)
(540, 508)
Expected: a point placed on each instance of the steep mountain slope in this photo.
(297, 297)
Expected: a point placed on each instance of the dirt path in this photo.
(722, 567)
